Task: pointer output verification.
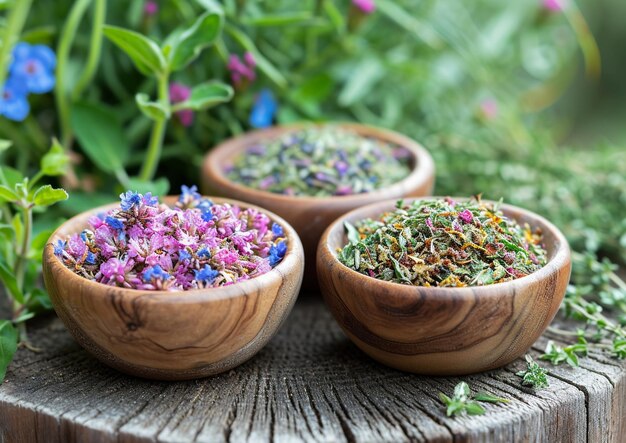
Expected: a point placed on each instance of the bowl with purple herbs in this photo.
(173, 290)
(311, 174)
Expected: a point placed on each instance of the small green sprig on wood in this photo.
(20, 251)
(463, 402)
(534, 375)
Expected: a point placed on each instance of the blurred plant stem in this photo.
(148, 169)
(63, 53)
(12, 31)
(95, 47)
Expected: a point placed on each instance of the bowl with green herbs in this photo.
(443, 286)
(311, 174)
(183, 288)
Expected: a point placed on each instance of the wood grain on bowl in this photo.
(174, 335)
(310, 216)
(443, 331)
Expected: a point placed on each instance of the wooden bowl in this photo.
(310, 216)
(443, 331)
(173, 335)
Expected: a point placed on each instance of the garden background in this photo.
(515, 100)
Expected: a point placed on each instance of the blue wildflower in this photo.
(277, 252)
(204, 253)
(188, 193)
(206, 274)
(34, 65)
(183, 255)
(129, 199)
(113, 222)
(149, 200)
(83, 236)
(13, 102)
(59, 247)
(91, 258)
(277, 230)
(263, 110)
(155, 273)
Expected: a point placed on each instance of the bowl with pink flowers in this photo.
(184, 288)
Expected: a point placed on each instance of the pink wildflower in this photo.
(179, 93)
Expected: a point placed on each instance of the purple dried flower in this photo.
(466, 216)
(144, 245)
(129, 200)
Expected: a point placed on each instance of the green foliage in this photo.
(145, 53)
(20, 250)
(463, 402)
(8, 345)
(534, 375)
(187, 45)
(206, 95)
(557, 355)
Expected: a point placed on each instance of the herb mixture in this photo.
(321, 162)
(443, 243)
(146, 245)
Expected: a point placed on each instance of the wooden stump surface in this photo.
(309, 384)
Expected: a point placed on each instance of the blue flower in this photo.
(59, 247)
(155, 272)
(188, 194)
(183, 255)
(149, 200)
(13, 102)
(130, 199)
(205, 206)
(277, 252)
(91, 258)
(34, 65)
(277, 230)
(204, 253)
(113, 222)
(206, 274)
(263, 110)
(83, 236)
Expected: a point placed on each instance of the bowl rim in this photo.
(294, 257)
(560, 257)
(420, 174)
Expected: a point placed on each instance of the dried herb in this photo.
(197, 244)
(442, 242)
(463, 402)
(321, 162)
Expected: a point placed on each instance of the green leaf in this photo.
(12, 176)
(207, 95)
(474, 408)
(285, 19)
(47, 195)
(39, 241)
(484, 396)
(187, 45)
(39, 301)
(5, 144)
(461, 390)
(8, 346)
(145, 53)
(6, 230)
(55, 161)
(101, 136)
(7, 194)
(10, 282)
(152, 110)
(211, 6)
(263, 64)
(158, 187)
(366, 74)
(353, 234)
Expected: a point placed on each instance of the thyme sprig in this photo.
(464, 402)
(534, 375)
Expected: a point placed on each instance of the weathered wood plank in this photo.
(309, 384)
